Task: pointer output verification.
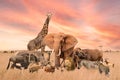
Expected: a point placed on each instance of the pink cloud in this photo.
(87, 22)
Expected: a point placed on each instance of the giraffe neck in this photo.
(44, 30)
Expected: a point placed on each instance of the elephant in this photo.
(22, 58)
(62, 45)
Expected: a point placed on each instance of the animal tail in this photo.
(8, 65)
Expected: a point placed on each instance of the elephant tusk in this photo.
(52, 51)
(59, 52)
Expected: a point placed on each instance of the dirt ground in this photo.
(81, 74)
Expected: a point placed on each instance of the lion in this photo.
(69, 64)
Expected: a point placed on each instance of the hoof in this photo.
(78, 68)
(57, 68)
(62, 70)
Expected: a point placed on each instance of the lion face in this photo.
(69, 64)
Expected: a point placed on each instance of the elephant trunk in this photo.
(57, 59)
(57, 52)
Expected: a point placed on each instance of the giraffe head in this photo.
(49, 14)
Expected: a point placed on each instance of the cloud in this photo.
(92, 22)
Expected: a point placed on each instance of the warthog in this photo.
(34, 68)
(49, 69)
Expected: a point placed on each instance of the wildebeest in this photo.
(22, 58)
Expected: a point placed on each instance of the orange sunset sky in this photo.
(92, 22)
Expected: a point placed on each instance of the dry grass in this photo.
(82, 74)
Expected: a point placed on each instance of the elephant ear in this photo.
(69, 42)
(49, 40)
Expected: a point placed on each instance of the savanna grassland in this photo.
(81, 74)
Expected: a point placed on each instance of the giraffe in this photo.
(36, 43)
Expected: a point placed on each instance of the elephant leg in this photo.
(57, 61)
(63, 62)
